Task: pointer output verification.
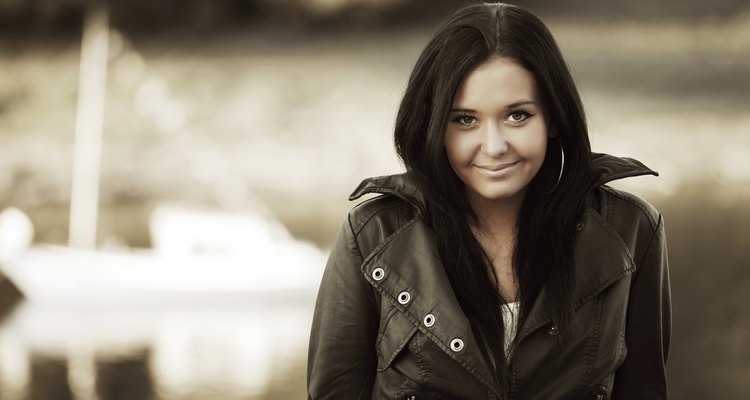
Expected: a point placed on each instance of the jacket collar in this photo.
(400, 185)
(605, 168)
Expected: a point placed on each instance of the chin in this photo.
(499, 193)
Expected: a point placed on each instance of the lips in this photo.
(497, 167)
(498, 170)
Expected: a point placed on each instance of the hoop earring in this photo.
(559, 176)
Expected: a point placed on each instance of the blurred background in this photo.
(172, 174)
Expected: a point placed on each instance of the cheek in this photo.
(540, 149)
(458, 149)
(534, 144)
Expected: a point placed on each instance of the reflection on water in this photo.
(231, 351)
(48, 378)
(123, 378)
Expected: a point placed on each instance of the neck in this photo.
(496, 216)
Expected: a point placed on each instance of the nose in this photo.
(494, 143)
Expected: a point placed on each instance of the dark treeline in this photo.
(19, 16)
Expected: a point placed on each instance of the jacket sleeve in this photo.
(642, 376)
(341, 361)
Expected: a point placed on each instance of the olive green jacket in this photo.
(387, 324)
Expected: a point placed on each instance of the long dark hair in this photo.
(543, 253)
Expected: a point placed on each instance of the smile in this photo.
(498, 171)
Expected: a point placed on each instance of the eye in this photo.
(464, 120)
(518, 116)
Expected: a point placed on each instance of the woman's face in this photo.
(496, 138)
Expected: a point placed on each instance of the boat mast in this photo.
(92, 82)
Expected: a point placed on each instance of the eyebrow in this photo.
(509, 106)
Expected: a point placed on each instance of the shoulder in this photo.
(373, 220)
(633, 218)
(379, 207)
(620, 204)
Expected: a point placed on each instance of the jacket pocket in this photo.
(393, 337)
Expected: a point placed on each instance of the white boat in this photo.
(199, 256)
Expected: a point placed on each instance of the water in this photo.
(230, 351)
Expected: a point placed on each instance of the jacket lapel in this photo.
(600, 258)
(412, 264)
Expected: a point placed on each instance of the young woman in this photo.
(500, 265)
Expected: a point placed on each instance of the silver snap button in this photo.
(579, 226)
(429, 320)
(457, 344)
(553, 330)
(378, 274)
(404, 297)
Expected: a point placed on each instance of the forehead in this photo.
(495, 84)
